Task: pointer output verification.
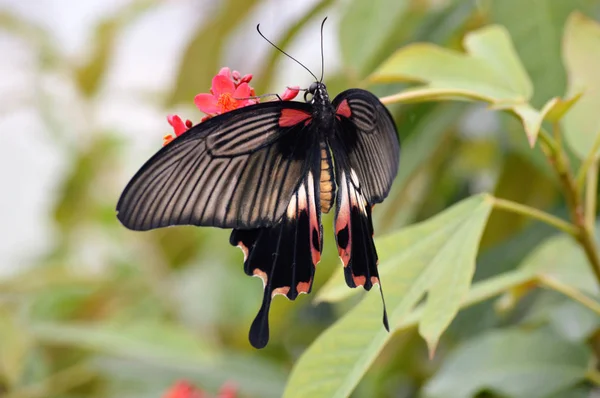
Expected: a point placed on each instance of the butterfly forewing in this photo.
(367, 136)
(236, 170)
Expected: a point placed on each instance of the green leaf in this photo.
(364, 29)
(581, 53)
(147, 341)
(562, 258)
(419, 257)
(489, 71)
(515, 363)
(537, 30)
(15, 345)
(397, 248)
(475, 72)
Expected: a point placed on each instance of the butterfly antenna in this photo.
(322, 55)
(271, 43)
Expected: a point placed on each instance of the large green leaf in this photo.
(421, 259)
(489, 71)
(514, 363)
(537, 33)
(581, 53)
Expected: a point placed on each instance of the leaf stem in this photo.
(589, 162)
(591, 194)
(569, 291)
(514, 207)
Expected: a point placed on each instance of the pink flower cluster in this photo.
(229, 91)
(184, 389)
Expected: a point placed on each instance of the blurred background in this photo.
(90, 309)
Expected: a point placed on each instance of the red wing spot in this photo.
(359, 280)
(291, 117)
(303, 287)
(374, 280)
(343, 109)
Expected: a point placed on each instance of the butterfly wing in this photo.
(284, 255)
(366, 153)
(236, 170)
(367, 135)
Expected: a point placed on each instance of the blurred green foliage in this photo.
(107, 312)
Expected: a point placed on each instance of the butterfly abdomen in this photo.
(327, 181)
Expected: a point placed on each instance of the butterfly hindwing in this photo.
(236, 170)
(284, 255)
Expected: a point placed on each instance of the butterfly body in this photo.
(269, 171)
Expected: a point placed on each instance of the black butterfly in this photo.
(268, 171)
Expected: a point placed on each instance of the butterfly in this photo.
(269, 171)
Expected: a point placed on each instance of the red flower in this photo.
(229, 91)
(290, 93)
(226, 94)
(178, 128)
(183, 389)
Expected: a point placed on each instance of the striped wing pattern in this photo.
(236, 170)
(367, 136)
(366, 153)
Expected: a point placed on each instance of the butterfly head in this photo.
(318, 92)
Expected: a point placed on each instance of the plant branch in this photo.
(569, 291)
(589, 161)
(514, 207)
(560, 163)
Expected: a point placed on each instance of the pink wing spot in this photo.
(303, 287)
(291, 117)
(359, 280)
(343, 109)
(280, 290)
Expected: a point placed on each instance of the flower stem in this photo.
(514, 207)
